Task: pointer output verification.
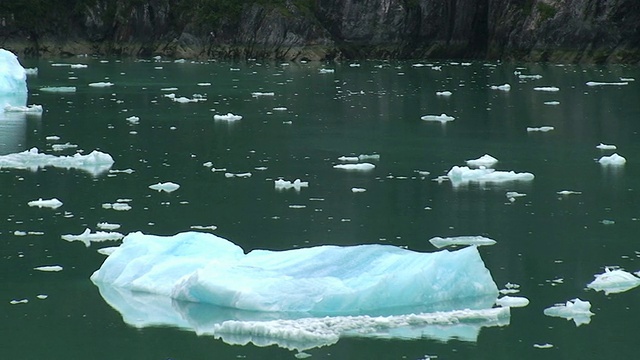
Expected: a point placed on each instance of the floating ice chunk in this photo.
(463, 174)
(543, 346)
(166, 187)
(282, 184)
(503, 87)
(364, 157)
(552, 102)
(358, 190)
(79, 66)
(281, 108)
(87, 237)
(51, 203)
(577, 310)
(547, 88)
(204, 84)
(602, 146)
(568, 192)
(596, 83)
(512, 301)
(614, 281)
(49, 268)
(228, 117)
(627, 79)
(30, 109)
(513, 195)
(108, 226)
(357, 167)
(540, 129)
(42, 296)
(258, 94)
(238, 175)
(349, 158)
(534, 77)
(59, 89)
(444, 93)
(101, 84)
(95, 162)
(326, 71)
(107, 250)
(443, 118)
(485, 160)
(61, 147)
(203, 227)
(614, 159)
(201, 267)
(22, 301)
(441, 242)
(133, 119)
(118, 206)
(31, 71)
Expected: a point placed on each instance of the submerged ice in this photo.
(204, 268)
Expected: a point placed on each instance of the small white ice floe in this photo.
(441, 242)
(228, 117)
(101, 84)
(463, 174)
(282, 184)
(108, 226)
(87, 237)
(597, 83)
(22, 301)
(358, 190)
(49, 268)
(602, 146)
(107, 250)
(547, 88)
(203, 227)
(543, 346)
(568, 192)
(614, 281)
(118, 206)
(503, 87)
(238, 175)
(133, 119)
(349, 158)
(59, 89)
(443, 118)
(65, 146)
(204, 84)
(577, 310)
(534, 76)
(166, 187)
(258, 94)
(510, 288)
(540, 129)
(358, 167)
(444, 93)
(363, 157)
(31, 71)
(614, 159)
(280, 108)
(485, 160)
(326, 71)
(512, 301)
(513, 195)
(51, 203)
(552, 102)
(30, 109)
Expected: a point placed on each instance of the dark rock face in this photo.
(530, 30)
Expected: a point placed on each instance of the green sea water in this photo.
(302, 121)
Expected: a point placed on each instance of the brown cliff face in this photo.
(529, 30)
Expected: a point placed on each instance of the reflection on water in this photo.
(12, 124)
(299, 331)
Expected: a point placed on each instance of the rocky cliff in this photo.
(530, 30)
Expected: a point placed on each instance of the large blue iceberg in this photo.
(329, 280)
(13, 81)
(298, 299)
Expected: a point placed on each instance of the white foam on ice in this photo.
(95, 162)
(614, 281)
(577, 310)
(227, 117)
(356, 167)
(485, 160)
(443, 118)
(51, 203)
(166, 187)
(614, 159)
(441, 242)
(463, 174)
(282, 184)
(202, 267)
(87, 237)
